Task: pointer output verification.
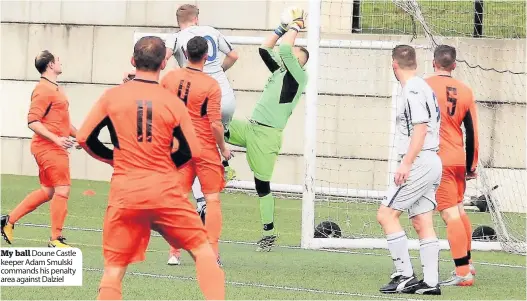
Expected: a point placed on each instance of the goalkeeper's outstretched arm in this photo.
(291, 61)
(266, 49)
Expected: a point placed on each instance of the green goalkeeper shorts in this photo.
(263, 145)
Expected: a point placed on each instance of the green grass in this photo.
(501, 19)
(285, 273)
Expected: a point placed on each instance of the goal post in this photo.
(310, 130)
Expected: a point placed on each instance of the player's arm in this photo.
(286, 54)
(88, 134)
(419, 117)
(214, 114)
(266, 49)
(39, 108)
(470, 121)
(187, 143)
(231, 55)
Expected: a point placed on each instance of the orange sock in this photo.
(211, 278)
(213, 223)
(175, 252)
(30, 203)
(468, 230)
(59, 209)
(458, 245)
(110, 289)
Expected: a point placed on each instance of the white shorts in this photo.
(418, 194)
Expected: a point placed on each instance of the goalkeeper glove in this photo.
(299, 17)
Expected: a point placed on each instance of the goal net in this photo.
(343, 162)
(355, 115)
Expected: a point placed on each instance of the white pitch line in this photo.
(261, 285)
(504, 265)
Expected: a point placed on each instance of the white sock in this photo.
(429, 253)
(398, 245)
(196, 189)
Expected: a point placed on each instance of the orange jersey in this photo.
(50, 106)
(152, 135)
(202, 96)
(457, 105)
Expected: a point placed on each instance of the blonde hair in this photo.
(186, 12)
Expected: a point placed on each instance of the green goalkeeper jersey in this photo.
(283, 89)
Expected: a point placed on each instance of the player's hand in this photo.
(128, 76)
(64, 142)
(76, 145)
(402, 173)
(294, 17)
(299, 17)
(471, 175)
(226, 153)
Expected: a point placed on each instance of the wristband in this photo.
(294, 26)
(280, 30)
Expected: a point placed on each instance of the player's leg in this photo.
(236, 133)
(210, 171)
(425, 177)
(31, 202)
(59, 174)
(448, 198)
(198, 194)
(462, 185)
(182, 227)
(110, 287)
(397, 200)
(468, 230)
(428, 249)
(126, 233)
(188, 174)
(58, 211)
(228, 105)
(263, 147)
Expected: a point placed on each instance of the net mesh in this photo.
(354, 108)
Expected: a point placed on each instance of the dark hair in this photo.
(186, 12)
(197, 47)
(445, 56)
(149, 53)
(42, 61)
(304, 50)
(405, 56)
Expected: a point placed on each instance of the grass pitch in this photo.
(285, 273)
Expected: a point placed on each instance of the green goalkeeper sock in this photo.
(267, 214)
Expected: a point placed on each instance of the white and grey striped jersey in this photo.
(417, 105)
(217, 43)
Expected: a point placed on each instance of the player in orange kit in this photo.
(202, 96)
(49, 118)
(457, 106)
(153, 136)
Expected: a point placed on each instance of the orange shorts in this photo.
(53, 168)
(451, 190)
(126, 232)
(209, 170)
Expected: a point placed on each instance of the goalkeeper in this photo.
(262, 134)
